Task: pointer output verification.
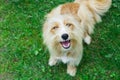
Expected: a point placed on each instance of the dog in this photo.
(67, 25)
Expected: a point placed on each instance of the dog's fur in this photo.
(77, 19)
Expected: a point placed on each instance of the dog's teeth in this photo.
(66, 44)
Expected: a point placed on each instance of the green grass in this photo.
(23, 56)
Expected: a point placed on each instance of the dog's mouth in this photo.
(65, 44)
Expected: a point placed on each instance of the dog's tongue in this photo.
(66, 44)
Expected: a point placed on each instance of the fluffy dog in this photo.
(67, 26)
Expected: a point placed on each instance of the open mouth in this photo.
(65, 44)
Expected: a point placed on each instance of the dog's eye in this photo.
(68, 24)
(55, 27)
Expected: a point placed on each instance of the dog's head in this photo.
(62, 32)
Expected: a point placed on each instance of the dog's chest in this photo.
(65, 58)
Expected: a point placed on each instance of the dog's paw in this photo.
(52, 62)
(87, 40)
(71, 70)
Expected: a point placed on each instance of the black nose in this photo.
(65, 36)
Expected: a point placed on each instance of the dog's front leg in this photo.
(52, 61)
(71, 69)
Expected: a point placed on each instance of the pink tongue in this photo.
(66, 44)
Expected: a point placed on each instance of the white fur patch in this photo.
(65, 59)
(87, 39)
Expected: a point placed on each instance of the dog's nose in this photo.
(65, 36)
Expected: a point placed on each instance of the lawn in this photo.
(24, 57)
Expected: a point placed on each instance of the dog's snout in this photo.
(65, 36)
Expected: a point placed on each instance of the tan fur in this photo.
(71, 70)
(77, 19)
(70, 8)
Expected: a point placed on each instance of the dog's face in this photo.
(62, 32)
